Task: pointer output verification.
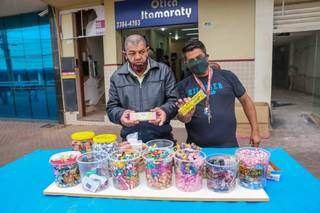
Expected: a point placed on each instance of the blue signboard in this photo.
(151, 13)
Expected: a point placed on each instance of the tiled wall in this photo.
(244, 69)
(108, 71)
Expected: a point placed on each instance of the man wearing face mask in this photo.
(142, 85)
(212, 123)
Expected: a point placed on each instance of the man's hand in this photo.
(255, 139)
(125, 119)
(161, 116)
(250, 111)
(186, 118)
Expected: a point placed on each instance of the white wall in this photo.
(316, 89)
(232, 33)
(263, 50)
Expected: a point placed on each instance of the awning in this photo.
(297, 17)
(16, 7)
(69, 4)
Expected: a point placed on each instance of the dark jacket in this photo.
(156, 90)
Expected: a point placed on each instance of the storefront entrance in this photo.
(166, 25)
(166, 43)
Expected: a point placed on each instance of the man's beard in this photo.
(139, 67)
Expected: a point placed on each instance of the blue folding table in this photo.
(23, 182)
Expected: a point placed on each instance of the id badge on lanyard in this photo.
(207, 110)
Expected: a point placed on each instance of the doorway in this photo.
(90, 57)
(295, 79)
(166, 43)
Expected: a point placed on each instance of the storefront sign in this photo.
(151, 13)
(97, 26)
(92, 19)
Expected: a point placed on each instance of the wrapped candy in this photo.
(188, 167)
(253, 166)
(65, 168)
(82, 141)
(124, 166)
(158, 167)
(221, 172)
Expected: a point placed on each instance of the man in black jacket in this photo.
(142, 85)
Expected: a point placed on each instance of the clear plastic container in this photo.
(137, 146)
(160, 143)
(104, 142)
(188, 167)
(124, 166)
(94, 171)
(82, 141)
(253, 166)
(65, 168)
(221, 170)
(158, 167)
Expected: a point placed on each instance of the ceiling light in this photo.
(189, 34)
(189, 29)
(43, 13)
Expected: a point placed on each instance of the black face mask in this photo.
(198, 66)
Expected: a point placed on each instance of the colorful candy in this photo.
(82, 141)
(158, 167)
(253, 165)
(187, 146)
(94, 171)
(104, 142)
(138, 147)
(188, 166)
(221, 172)
(124, 166)
(65, 168)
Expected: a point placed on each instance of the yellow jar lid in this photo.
(105, 138)
(80, 136)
